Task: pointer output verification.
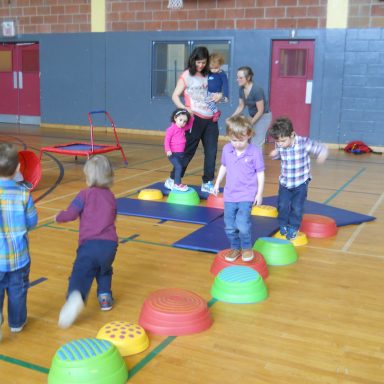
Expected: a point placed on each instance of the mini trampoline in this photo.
(88, 149)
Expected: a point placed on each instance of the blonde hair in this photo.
(217, 58)
(98, 172)
(239, 126)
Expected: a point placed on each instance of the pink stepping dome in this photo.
(175, 312)
(215, 201)
(258, 263)
(318, 226)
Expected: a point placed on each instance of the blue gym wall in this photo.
(87, 71)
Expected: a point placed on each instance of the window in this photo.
(169, 59)
(292, 62)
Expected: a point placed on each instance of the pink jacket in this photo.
(174, 140)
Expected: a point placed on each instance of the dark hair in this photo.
(199, 53)
(248, 73)
(178, 112)
(281, 127)
(9, 159)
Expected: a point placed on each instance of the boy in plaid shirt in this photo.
(294, 152)
(17, 216)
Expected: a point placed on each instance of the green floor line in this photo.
(344, 186)
(24, 364)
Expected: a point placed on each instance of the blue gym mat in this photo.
(166, 191)
(165, 211)
(341, 216)
(212, 238)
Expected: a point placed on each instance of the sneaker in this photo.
(216, 116)
(26, 184)
(247, 254)
(105, 301)
(71, 309)
(18, 329)
(232, 255)
(207, 187)
(180, 187)
(169, 183)
(291, 234)
(283, 230)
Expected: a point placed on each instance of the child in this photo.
(174, 145)
(217, 83)
(294, 152)
(96, 208)
(243, 165)
(18, 216)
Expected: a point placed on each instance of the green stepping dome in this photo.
(189, 197)
(239, 285)
(276, 251)
(88, 361)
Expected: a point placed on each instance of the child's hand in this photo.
(216, 189)
(169, 153)
(322, 156)
(273, 153)
(258, 199)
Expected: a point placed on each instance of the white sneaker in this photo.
(71, 309)
(169, 183)
(207, 187)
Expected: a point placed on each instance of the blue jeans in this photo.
(16, 284)
(177, 161)
(93, 261)
(291, 205)
(237, 220)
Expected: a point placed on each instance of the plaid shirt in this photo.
(17, 216)
(296, 161)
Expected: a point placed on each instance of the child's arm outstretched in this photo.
(260, 188)
(318, 150)
(73, 211)
(219, 179)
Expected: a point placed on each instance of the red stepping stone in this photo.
(318, 226)
(175, 312)
(215, 201)
(258, 263)
(30, 167)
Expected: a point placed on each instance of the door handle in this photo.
(308, 92)
(20, 80)
(14, 80)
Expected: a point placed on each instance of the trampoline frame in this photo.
(95, 149)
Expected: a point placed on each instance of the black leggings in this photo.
(208, 132)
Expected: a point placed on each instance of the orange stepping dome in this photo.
(318, 226)
(215, 201)
(258, 263)
(30, 167)
(175, 312)
(129, 338)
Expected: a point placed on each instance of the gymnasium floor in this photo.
(323, 320)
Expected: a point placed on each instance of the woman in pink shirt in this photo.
(174, 145)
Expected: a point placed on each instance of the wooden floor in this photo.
(322, 323)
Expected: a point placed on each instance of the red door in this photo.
(291, 82)
(20, 83)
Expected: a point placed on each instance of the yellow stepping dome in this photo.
(150, 194)
(129, 338)
(264, 210)
(301, 238)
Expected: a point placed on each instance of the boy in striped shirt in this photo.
(295, 154)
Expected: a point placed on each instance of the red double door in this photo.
(20, 83)
(291, 82)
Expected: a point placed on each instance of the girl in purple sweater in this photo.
(95, 206)
(174, 145)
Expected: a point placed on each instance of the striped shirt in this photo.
(17, 216)
(296, 161)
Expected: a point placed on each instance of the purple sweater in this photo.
(96, 208)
